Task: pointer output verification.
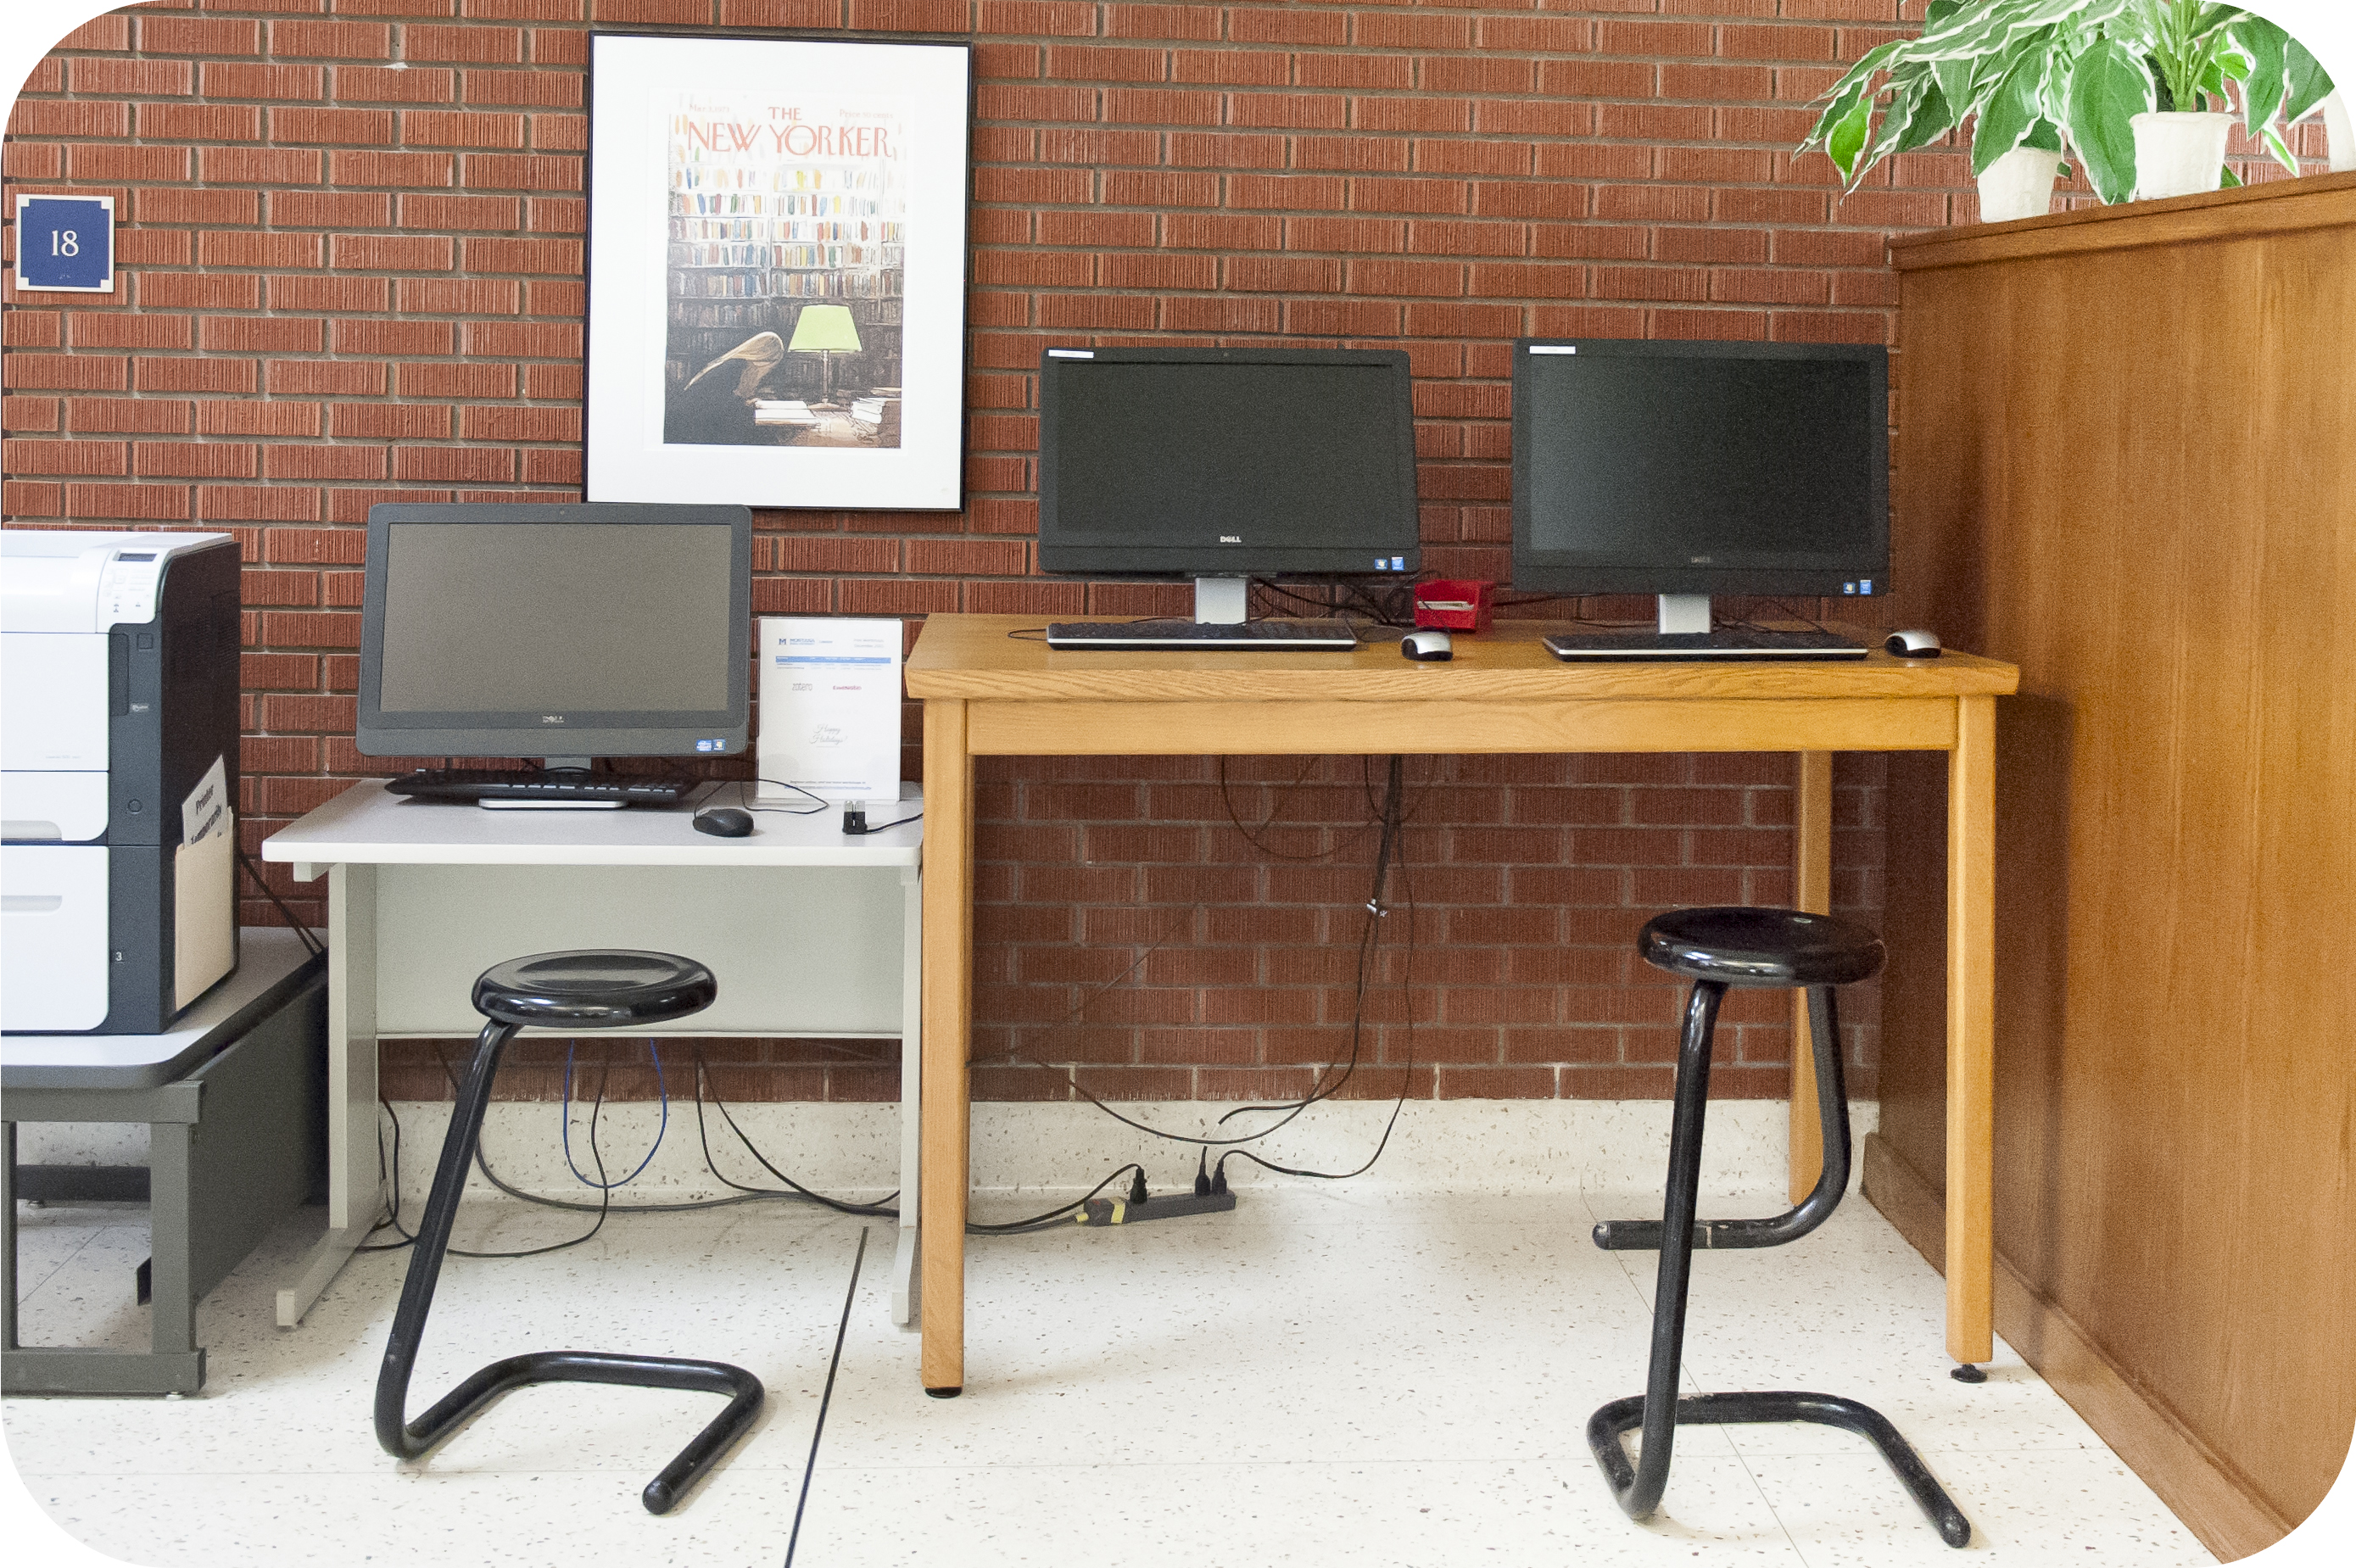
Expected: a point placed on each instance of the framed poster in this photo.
(776, 271)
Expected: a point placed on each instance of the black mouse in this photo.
(724, 822)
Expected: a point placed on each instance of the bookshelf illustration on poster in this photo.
(795, 211)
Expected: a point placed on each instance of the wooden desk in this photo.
(986, 694)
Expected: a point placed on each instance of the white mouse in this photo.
(1913, 645)
(1428, 646)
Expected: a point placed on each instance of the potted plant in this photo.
(2033, 74)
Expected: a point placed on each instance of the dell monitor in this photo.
(564, 632)
(1223, 465)
(1687, 469)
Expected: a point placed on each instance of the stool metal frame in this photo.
(1658, 1411)
(508, 1009)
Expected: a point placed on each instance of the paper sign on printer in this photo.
(829, 708)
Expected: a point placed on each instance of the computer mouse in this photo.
(1913, 645)
(1430, 645)
(724, 822)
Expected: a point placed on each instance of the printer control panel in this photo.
(126, 587)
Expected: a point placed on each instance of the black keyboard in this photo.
(1183, 635)
(532, 783)
(1731, 647)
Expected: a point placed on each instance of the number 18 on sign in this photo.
(65, 244)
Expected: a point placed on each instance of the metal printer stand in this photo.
(234, 1098)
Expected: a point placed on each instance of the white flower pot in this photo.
(2340, 135)
(2019, 184)
(2178, 154)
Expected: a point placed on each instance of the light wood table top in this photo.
(981, 657)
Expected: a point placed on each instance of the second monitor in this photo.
(1223, 465)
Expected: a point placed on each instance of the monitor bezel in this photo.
(1584, 572)
(613, 732)
(1059, 552)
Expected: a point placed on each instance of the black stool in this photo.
(1718, 948)
(566, 990)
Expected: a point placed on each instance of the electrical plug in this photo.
(1203, 1173)
(1137, 1193)
(1219, 1177)
(853, 820)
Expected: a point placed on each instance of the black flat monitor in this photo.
(564, 632)
(1227, 464)
(1687, 469)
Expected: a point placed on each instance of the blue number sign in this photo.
(65, 244)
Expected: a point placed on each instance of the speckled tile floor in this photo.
(1323, 1376)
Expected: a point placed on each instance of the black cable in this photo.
(810, 1470)
(311, 943)
(856, 832)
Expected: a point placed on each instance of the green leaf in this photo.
(2107, 85)
(2279, 147)
(2263, 95)
(2045, 136)
(1821, 132)
(1932, 120)
(2226, 178)
(2309, 83)
(1939, 11)
(1955, 85)
(2008, 117)
(1845, 143)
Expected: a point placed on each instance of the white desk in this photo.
(804, 936)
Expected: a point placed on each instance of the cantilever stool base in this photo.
(1716, 949)
(603, 989)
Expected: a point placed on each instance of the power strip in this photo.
(1120, 1212)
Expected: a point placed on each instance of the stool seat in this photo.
(1787, 948)
(594, 988)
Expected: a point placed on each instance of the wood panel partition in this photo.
(2127, 462)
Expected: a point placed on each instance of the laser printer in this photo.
(118, 776)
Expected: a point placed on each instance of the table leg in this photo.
(1812, 890)
(912, 1075)
(1971, 1032)
(354, 1185)
(949, 1011)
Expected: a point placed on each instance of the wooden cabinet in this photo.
(2127, 462)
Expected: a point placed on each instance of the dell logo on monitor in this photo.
(552, 718)
(1231, 538)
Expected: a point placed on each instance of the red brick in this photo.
(101, 164)
(510, 423)
(346, 169)
(334, 377)
(258, 166)
(197, 36)
(258, 248)
(200, 291)
(137, 503)
(459, 128)
(369, 126)
(121, 330)
(385, 84)
(197, 460)
(62, 117)
(86, 416)
(200, 122)
(513, 255)
(1170, 22)
(267, 334)
(34, 456)
(137, 78)
(85, 372)
(242, 416)
(531, 89)
(292, 461)
(391, 252)
(229, 78)
(328, 40)
(206, 373)
(31, 415)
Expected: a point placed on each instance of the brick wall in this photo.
(350, 256)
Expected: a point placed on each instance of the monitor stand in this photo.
(1225, 601)
(553, 766)
(1683, 614)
